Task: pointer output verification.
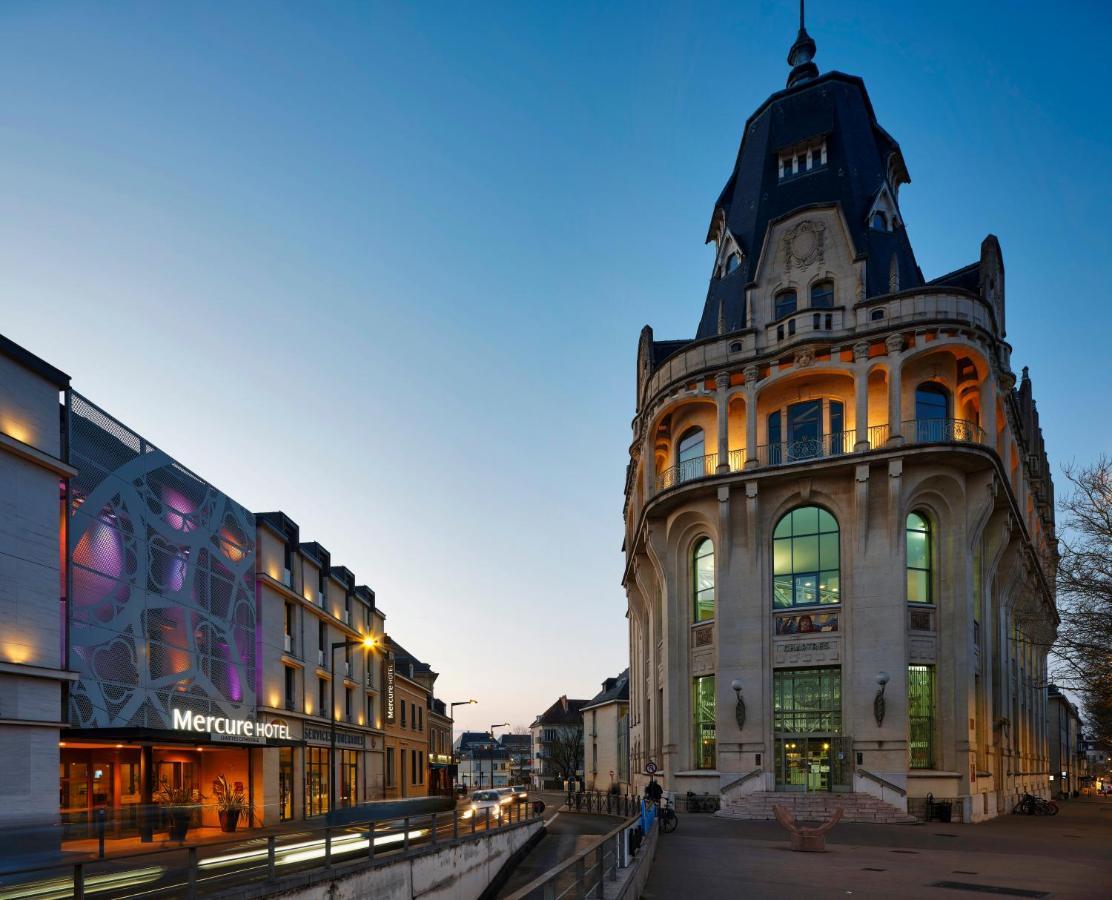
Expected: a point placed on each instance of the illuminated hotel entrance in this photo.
(811, 754)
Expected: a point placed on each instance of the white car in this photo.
(521, 792)
(481, 801)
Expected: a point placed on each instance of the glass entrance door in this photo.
(803, 763)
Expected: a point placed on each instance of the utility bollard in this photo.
(191, 891)
(100, 816)
(271, 843)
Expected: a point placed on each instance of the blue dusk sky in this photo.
(384, 266)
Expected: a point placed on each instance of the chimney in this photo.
(564, 701)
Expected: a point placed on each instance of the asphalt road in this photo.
(567, 834)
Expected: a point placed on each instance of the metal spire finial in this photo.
(801, 54)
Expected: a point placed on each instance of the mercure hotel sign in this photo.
(245, 729)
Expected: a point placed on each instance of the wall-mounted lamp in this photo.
(878, 700)
(739, 710)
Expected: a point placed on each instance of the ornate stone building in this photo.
(839, 515)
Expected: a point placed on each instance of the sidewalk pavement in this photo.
(1068, 856)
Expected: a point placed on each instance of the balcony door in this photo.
(805, 430)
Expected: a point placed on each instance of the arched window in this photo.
(691, 461)
(805, 560)
(732, 263)
(822, 295)
(919, 559)
(932, 412)
(702, 580)
(880, 221)
(785, 304)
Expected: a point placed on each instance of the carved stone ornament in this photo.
(803, 244)
(860, 351)
(751, 374)
(805, 358)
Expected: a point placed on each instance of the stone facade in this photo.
(884, 410)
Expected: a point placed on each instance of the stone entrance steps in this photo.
(814, 807)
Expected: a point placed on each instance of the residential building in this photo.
(408, 684)
(1064, 733)
(840, 544)
(606, 736)
(557, 737)
(34, 590)
(520, 749)
(442, 770)
(482, 761)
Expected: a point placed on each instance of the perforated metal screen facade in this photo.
(162, 611)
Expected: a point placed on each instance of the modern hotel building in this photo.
(157, 635)
(839, 516)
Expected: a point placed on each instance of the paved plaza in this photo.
(1069, 856)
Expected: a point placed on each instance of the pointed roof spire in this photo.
(801, 54)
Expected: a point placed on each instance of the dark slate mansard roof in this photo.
(836, 107)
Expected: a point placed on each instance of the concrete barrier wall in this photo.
(454, 871)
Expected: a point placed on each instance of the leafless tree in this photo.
(565, 752)
(1084, 645)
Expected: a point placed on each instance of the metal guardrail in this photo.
(603, 803)
(883, 782)
(190, 871)
(586, 873)
(933, 431)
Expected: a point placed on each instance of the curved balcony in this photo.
(827, 446)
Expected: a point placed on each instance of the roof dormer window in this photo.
(732, 263)
(799, 160)
(879, 222)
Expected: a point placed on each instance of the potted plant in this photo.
(179, 804)
(231, 801)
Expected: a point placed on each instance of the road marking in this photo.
(550, 821)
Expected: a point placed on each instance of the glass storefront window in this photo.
(920, 716)
(703, 706)
(349, 777)
(316, 781)
(285, 783)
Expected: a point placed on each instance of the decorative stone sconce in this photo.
(878, 700)
(739, 710)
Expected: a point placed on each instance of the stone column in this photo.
(751, 460)
(894, 343)
(988, 409)
(722, 383)
(861, 395)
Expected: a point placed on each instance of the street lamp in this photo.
(492, 727)
(367, 642)
(452, 718)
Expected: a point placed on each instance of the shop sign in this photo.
(343, 738)
(245, 731)
(390, 690)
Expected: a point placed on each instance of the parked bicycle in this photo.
(1030, 805)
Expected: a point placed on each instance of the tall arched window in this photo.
(932, 412)
(919, 559)
(690, 458)
(702, 580)
(732, 263)
(805, 559)
(822, 295)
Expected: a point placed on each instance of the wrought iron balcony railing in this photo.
(838, 443)
(933, 431)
